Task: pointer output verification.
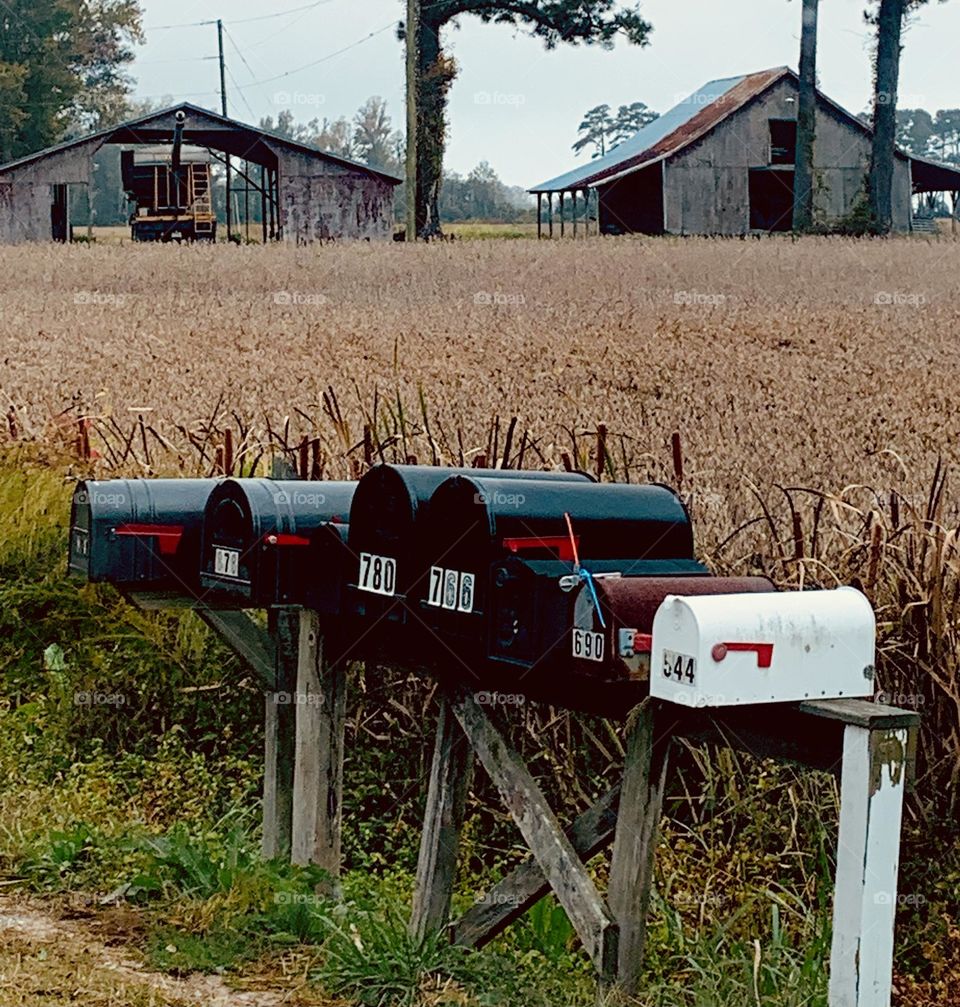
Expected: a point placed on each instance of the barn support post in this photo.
(450, 774)
(638, 826)
(280, 737)
(573, 197)
(263, 203)
(586, 213)
(539, 215)
(875, 764)
(321, 705)
(550, 214)
(562, 214)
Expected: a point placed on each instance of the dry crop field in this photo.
(818, 363)
(813, 383)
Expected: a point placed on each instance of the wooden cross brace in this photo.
(610, 932)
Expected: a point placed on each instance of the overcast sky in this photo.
(514, 104)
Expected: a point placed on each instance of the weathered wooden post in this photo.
(321, 701)
(635, 842)
(450, 774)
(876, 746)
(279, 729)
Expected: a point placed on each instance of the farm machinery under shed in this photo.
(171, 189)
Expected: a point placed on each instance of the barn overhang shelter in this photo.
(305, 194)
(722, 160)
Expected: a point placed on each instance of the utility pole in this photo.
(413, 34)
(223, 109)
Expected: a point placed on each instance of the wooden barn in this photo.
(721, 162)
(304, 194)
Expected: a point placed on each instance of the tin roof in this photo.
(245, 137)
(686, 122)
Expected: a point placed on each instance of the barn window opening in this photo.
(783, 141)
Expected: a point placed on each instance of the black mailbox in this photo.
(391, 540)
(477, 523)
(139, 534)
(268, 542)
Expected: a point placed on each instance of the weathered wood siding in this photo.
(321, 200)
(26, 195)
(707, 184)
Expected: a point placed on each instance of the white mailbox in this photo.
(727, 650)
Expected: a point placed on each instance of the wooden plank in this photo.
(525, 886)
(280, 737)
(638, 828)
(587, 911)
(246, 638)
(868, 853)
(862, 713)
(775, 731)
(153, 601)
(321, 709)
(450, 774)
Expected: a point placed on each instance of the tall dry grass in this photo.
(802, 395)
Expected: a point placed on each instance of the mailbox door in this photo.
(140, 534)
(258, 535)
(328, 560)
(532, 607)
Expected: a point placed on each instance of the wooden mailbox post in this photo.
(868, 744)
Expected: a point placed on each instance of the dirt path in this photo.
(48, 958)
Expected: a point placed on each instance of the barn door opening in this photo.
(771, 200)
(60, 213)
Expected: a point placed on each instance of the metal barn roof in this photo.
(202, 127)
(687, 121)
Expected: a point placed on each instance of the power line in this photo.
(293, 10)
(323, 59)
(243, 97)
(185, 24)
(288, 73)
(246, 20)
